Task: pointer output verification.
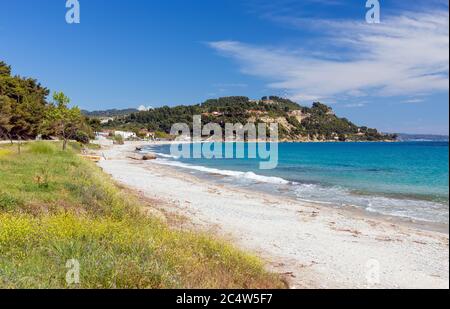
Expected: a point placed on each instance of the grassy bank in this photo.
(55, 207)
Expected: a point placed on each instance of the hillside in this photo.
(296, 122)
(110, 112)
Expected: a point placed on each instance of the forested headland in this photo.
(295, 122)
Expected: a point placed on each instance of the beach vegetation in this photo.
(66, 123)
(56, 207)
(118, 139)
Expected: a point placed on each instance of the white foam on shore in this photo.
(167, 156)
(240, 175)
(406, 208)
(314, 193)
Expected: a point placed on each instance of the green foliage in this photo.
(9, 202)
(81, 137)
(22, 105)
(293, 121)
(5, 70)
(285, 104)
(163, 135)
(41, 148)
(95, 124)
(25, 112)
(342, 137)
(5, 117)
(118, 139)
(110, 112)
(62, 121)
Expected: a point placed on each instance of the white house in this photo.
(125, 135)
(106, 120)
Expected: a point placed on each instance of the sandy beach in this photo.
(314, 246)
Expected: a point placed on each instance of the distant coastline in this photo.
(405, 137)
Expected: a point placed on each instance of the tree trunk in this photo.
(18, 145)
(64, 144)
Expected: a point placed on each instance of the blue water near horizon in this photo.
(405, 179)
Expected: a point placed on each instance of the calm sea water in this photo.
(408, 179)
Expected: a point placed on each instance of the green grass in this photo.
(54, 207)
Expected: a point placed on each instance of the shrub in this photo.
(82, 137)
(42, 178)
(118, 140)
(164, 135)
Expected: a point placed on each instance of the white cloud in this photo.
(404, 55)
(414, 100)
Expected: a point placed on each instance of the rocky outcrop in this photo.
(149, 156)
(145, 157)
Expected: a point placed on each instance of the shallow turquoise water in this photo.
(408, 179)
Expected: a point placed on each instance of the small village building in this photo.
(125, 134)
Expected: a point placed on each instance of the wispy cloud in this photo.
(414, 100)
(407, 54)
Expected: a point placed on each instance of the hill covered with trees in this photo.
(296, 122)
(110, 112)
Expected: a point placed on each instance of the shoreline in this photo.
(317, 246)
(352, 209)
(274, 184)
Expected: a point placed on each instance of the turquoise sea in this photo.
(405, 179)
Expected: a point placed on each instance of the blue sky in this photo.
(393, 76)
